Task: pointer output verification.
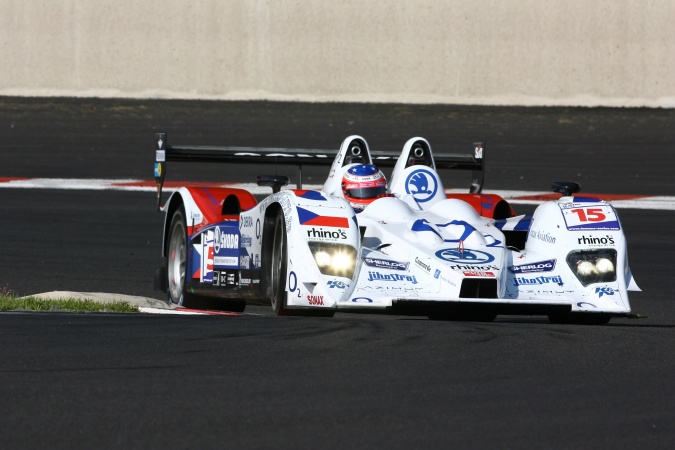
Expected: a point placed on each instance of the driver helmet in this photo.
(363, 183)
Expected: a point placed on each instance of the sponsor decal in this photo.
(244, 281)
(245, 222)
(424, 266)
(337, 285)
(244, 261)
(539, 266)
(372, 276)
(225, 240)
(437, 273)
(523, 291)
(478, 273)
(478, 151)
(224, 278)
(605, 291)
(464, 256)
(422, 185)
(308, 218)
(226, 261)
(473, 267)
(362, 300)
(414, 290)
(315, 299)
(520, 281)
(595, 241)
(385, 264)
(292, 281)
(542, 236)
(322, 234)
(448, 280)
(246, 241)
(282, 198)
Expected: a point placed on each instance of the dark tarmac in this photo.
(364, 381)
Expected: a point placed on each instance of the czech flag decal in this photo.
(311, 219)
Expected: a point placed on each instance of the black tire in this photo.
(278, 266)
(176, 258)
(580, 318)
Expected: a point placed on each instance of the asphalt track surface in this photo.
(364, 381)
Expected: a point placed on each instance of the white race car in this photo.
(406, 246)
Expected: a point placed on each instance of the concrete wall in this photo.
(546, 52)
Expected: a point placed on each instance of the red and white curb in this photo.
(516, 197)
(186, 311)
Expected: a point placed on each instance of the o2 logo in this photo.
(422, 185)
(465, 257)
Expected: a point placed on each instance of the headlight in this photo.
(334, 259)
(593, 266)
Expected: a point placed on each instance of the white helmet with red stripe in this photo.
(363, 183)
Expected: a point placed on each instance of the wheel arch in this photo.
(175, 202)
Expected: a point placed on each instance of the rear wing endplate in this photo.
(298, 157)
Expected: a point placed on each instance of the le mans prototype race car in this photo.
(413, 250)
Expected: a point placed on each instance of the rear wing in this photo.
(298, 157)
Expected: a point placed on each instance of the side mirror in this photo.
(566, 188)
(273, 181)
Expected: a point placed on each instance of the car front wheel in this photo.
(278, 266)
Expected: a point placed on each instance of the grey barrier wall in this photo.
(521, 52)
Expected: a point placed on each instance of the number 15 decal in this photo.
(590, 217)
(589, 214)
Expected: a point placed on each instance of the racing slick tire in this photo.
(278, 266)
(177, 258)
(176, 269)
(579, 319)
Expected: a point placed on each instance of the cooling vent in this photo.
(478, 288)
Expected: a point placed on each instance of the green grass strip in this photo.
(10, 303)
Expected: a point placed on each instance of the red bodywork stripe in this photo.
(328, 221)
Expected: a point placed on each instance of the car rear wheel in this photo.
(177, 258)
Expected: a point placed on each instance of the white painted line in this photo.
(144, 309)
